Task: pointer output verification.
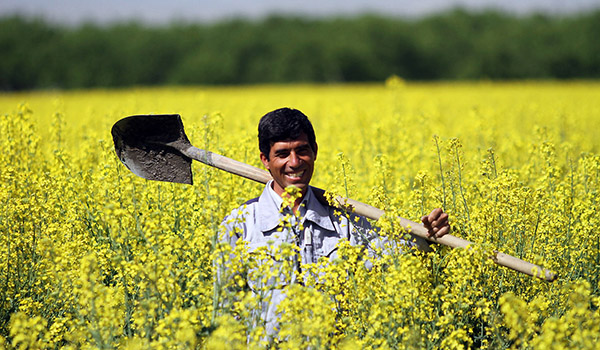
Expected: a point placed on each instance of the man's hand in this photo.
(436, 223)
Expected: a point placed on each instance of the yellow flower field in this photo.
(93, 256)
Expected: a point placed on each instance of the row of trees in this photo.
(454, 45)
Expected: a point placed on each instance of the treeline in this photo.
(455, 45)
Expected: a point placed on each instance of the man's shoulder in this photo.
(248, 206)
(251, 201)
(242, 215)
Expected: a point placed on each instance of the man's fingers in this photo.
(434, 215)
(443, 231)
(441, 221)
(425, 220)
(436, 223)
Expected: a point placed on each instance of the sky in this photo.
(74, 12)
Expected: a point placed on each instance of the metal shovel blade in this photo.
(142, 144)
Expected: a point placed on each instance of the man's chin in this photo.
(300, 185)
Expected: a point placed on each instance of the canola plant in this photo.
(93, 256)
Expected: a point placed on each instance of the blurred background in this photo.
(65, 44)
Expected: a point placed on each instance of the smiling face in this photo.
(291, 162)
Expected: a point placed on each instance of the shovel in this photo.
(156, 147)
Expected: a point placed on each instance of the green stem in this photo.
(437, 145)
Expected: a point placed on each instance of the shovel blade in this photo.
(142, 144)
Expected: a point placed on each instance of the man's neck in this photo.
(298, 200)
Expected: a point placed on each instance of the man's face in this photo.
(290, 162)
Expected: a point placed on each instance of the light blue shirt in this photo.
(259, 223)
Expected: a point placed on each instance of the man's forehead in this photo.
(298, 141)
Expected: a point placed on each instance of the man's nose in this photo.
(294, 160)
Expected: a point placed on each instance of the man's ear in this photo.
(264, 160)
(315, 150)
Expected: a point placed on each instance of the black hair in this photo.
(284, 124)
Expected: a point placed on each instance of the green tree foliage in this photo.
(453, 45)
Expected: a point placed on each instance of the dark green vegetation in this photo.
(455, 45)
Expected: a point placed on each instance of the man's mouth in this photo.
(295, 176)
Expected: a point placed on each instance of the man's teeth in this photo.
(299, 174)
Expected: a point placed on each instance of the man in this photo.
(288, 150)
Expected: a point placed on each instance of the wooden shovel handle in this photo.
(227, 164)
(416, 229)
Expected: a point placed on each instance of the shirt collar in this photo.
(269, 203)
